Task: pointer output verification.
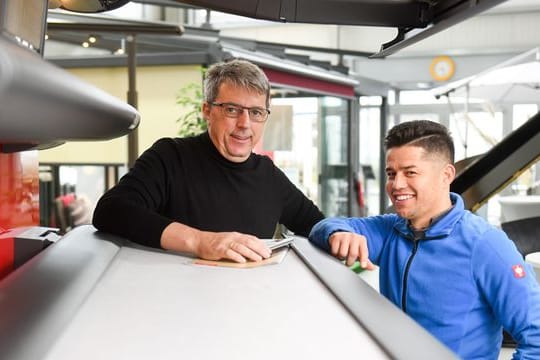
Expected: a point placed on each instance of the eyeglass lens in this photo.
(235, 111)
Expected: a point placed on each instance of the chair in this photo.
(525, 233)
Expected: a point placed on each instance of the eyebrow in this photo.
(403, 168)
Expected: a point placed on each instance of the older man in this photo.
(210, 195)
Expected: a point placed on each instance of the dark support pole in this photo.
(133, 137)
(353, 208)
(383, 202)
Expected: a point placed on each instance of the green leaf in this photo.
(190, 98)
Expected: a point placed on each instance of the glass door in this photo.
(333, 150)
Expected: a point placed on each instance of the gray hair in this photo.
(241, 73)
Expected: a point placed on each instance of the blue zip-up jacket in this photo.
(463, 281)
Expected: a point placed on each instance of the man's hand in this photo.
(350, 247)
(231, 245)
(214, 245)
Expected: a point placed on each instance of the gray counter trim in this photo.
(397, 334)
(39, 299)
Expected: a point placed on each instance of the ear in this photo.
(449, 173)
(206, 108)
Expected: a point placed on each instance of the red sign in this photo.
(19, 200)
(519, 271)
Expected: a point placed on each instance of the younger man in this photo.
(458, 276)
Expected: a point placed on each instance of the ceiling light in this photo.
(424, 85)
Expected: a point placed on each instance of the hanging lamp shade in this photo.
(87, 6)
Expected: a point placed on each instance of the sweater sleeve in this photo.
(131, 208)
(510, 286)
(321, 232)
(376, 229)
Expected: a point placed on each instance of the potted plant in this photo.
(191, 122)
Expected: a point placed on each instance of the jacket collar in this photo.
(439, 228)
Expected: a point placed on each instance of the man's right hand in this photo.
(231, 245)
(350, 247)
(214, 245)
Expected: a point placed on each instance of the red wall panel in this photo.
(19, 200)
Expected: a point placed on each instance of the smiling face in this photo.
(418, 183)
(234, 138)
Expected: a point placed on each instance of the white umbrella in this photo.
(512, 84)
(513, 81)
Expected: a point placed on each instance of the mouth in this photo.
(241, 138)
(402, 197)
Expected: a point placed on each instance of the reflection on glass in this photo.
(334, 170)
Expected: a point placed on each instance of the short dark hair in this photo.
(241, 73)
(429, 135)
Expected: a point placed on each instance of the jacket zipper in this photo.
(406, 276)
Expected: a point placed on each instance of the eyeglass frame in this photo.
(238, 106)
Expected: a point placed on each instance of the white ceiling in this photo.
(476, 44)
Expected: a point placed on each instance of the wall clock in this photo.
(442, 68)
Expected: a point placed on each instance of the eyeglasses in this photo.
(234, 111)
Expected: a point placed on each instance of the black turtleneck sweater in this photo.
(187, 180)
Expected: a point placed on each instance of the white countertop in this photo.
(153, 305)
(92, 295)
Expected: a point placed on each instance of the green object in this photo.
(356, 267)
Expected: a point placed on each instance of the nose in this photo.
(243, 119)
(399, 181)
